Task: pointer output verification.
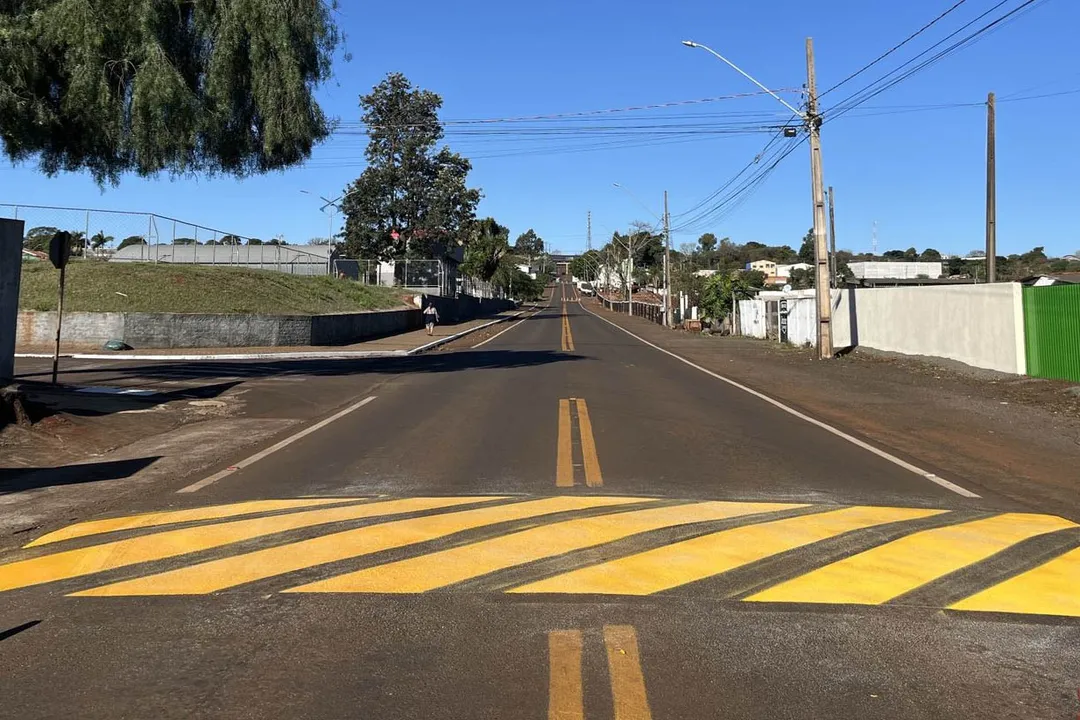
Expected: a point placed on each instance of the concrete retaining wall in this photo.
(980, 325)
(177, 330)
(11, 244)
(37, 329)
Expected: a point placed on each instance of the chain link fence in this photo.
(147, 237)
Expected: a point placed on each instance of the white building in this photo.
(875, 270)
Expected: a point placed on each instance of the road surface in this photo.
(563, 523)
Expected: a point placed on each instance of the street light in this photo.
(692, 44)
(812, 121)
(333, 205)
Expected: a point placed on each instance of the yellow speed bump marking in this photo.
(1053, 588)
(565, 695)
(214, 512)
(231, 571)
(454, 565)
(895, 568)
(627, 679)
(702, 557)
(170, 543)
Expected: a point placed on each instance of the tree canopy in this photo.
(529, 244)
(487, 245)
(412, 195)
(152, 85)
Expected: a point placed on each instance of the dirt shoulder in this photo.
(1011, 435)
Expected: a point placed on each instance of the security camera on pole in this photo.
(812, 122)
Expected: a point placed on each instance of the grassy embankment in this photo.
(143, 287)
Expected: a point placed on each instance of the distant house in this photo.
(783, 272)
(1065, 278)
(763, 266)
(1072, 258)
(33, 255)
(878, 270)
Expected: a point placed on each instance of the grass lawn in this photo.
(96, 286)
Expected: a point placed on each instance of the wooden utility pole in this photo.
(832, 238)
(991, 191)
(667, 264)
(821, 246)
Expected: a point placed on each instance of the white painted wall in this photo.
(980, 325)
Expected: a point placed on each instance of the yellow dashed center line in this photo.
(627, 679)
(565, 695)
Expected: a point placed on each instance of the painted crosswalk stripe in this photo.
(1052, 588)
(229, 572)
(454, 565)
(691, 560)
(898, 567)
(171, 543)
(214, 512)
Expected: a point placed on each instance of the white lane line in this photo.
(458, 336)
(485, 342)
(802, 416)
(195, 487)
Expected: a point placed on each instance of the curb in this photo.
(326, 355)
(344, 355)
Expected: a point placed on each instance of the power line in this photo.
(870, 91)
(894, 48)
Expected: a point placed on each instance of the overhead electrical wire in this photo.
(894, 48)
(730, 201)
(887, 81)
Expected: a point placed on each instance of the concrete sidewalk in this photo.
(407, 343)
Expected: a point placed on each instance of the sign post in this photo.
(783, 320)
(59, 254)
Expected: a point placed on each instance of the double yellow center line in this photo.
(565, 692)
(567, 336)
(572, 409)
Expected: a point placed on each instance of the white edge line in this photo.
(802, 416)
(501, 332)
(458, 336)
(195, 487)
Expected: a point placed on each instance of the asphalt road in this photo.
(563, 523)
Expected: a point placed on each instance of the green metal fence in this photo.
(1052, 331)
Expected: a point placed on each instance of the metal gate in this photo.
(1052, 331)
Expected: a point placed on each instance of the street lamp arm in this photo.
(736, 68)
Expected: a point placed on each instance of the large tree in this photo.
(151, 85)
(529, 244)
(488, 244)
(412, 195)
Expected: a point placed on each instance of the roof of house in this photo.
(1064, 278)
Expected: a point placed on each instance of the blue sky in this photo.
(920, 175)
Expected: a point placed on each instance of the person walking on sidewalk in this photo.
(431, 316)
